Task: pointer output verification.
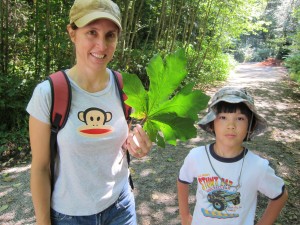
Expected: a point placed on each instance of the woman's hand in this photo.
(138, 142)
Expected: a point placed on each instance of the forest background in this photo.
(215, 34)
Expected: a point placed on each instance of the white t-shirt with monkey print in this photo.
(90, 168)
(219, 202)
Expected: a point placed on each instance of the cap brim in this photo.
(81, 22)
(205, 121)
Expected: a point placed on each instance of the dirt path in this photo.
(277, 99)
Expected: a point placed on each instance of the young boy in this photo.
(229, 175)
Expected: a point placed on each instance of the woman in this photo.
(91, 175)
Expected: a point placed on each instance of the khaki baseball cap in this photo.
(85, 11)
(233, 95)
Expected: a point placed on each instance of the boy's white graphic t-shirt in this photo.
(90, 171)
(219, 201)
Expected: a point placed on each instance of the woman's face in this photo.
(95, 43)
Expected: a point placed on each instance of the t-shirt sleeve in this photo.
(186, 173)
(271, 185)
(40, 103)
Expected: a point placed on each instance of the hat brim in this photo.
(204, 123)
(81, 22)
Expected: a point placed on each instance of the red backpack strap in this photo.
(126, 108)
(60, 108)
(61, 99)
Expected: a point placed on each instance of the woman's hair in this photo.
(73, 26)
(226, 107)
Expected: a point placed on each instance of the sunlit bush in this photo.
(293, 64)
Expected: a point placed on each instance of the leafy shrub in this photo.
(293, 64)
(134, 61)
(250, 54)
(14, 139)
(239, 55)
(215, 69)
(260, 54)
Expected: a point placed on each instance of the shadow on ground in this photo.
(15, 196)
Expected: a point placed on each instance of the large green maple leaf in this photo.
(168, 115)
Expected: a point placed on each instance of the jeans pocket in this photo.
(56, 216)
(125, 199)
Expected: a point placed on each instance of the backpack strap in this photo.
(60, 108)
(127, 110)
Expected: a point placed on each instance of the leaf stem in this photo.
(143, 121)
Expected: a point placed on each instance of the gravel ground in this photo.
(277, 99)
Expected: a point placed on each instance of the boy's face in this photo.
(231, 128)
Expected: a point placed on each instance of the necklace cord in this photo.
(222, 180)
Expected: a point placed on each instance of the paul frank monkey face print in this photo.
(94, 120)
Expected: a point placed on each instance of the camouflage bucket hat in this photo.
(233, 95)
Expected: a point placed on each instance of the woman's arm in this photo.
(273, 209)
(183, 201)
(39, 133)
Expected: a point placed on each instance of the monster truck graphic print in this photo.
(220, 199)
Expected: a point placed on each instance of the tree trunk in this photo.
(124, 26)
(6, 41)
(168, 21)
(190, 26)
(175, 31)
(137, 18)
(48, 39)
(129, 28)
(2, 33)
(158, 31)
(36, 31)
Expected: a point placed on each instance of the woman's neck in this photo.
(91, 81)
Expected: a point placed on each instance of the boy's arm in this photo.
(273, 209)
(183, 201)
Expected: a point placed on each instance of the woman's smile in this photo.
(98, 56)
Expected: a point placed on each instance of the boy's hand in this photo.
(273, 210)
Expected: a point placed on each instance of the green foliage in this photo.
(274, 40)
(293, 64)
(249, 53)
(293, 59)
(14, 139)
(215, 67)
(34, 42)
(136, 59)
(167, 116)
(13, 129)
(295, 76)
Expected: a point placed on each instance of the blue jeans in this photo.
(122, 212)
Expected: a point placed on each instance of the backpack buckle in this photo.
(55, 125)
(54, 129)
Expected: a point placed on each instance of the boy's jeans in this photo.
(121, 212)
